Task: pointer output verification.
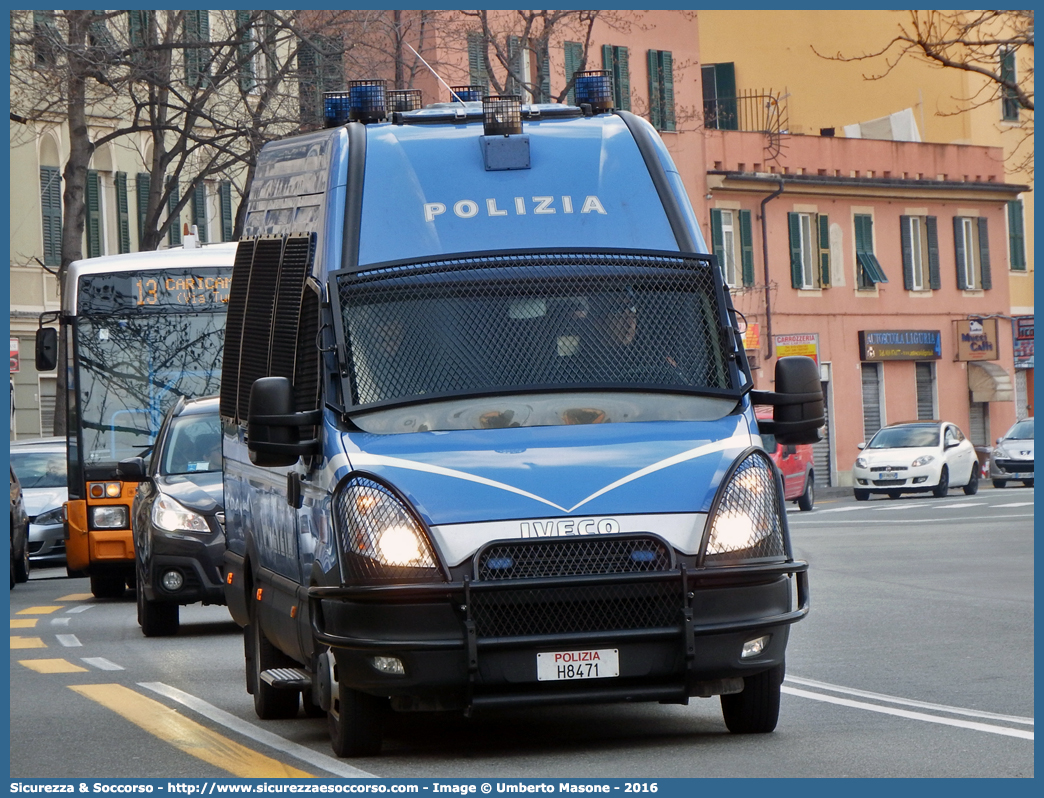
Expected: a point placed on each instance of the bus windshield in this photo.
(132, 368)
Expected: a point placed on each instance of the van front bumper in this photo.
(471, 644)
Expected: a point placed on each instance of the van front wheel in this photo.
(756, 709)
(356, 722)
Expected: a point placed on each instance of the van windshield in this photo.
(525, 324)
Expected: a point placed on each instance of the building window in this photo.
(47, 41)
(574, 62)
(972, 248)
(1016, 237)
(661, 89)
(122, 213)
(1009, 97)
(320, 69)
(920, 243)
(173, 198)
(477, 46)
(197, 53)
(51, 205)
(615, 59)
(142, 188)
(733, 243)
(93, 222)
(199, 211)
(227, 220)
(809, 250)
(141, 37)
(719, 97)
(868, 270)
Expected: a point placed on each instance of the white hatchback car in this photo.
(916, 457)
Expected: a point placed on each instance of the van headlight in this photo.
(746, 519)
(381, 538)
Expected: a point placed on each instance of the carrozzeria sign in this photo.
(900, 345)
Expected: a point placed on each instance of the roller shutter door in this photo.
(925, 392)
(871, 400)
(821, 450)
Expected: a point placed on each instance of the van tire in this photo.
(356, 722)
(807, 499)
(269, 702)
(756, 709)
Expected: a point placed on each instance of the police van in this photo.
(488, 428)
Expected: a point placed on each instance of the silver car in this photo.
(1012, 458)
(40, 464)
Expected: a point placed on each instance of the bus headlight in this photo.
(109, 517)
(382, 538)
(746, 521)
(170, 516)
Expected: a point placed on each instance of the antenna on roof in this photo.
(436, 74)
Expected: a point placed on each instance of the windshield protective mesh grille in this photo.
(515, 322)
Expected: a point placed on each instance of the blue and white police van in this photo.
(488, 428)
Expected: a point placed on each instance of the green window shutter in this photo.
(245, 49)
(143, 184)
(794, 224)
(747, 247)
(545, 78)
(907, 248)
(92, 201)
(667, 89)
(1016, 237)
(199, 211)
(225, 190)
(137, 24)
(931, 229)
(1009, 99)
(622, 78)
(51, 205)
(655, 114)
(477, 46)
(984, 254)
(197, 54)
(308, 83)
(718, 240)
(725, 91)
(174, 231)
(123, 212)
(574, 55)
(824, 251)
(513, 84)
(958, 248)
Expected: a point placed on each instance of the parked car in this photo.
(177, 517)
(916, 457)
(19, 534)
(1012, 458)
(795, 464)
(41, 466)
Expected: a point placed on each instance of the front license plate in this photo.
(888, 475)
(598, 663)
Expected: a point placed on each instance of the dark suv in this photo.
(177, 517)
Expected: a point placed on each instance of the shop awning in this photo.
(990, 383)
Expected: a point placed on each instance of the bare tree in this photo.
(982, 43)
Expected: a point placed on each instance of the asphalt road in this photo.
(915, 661)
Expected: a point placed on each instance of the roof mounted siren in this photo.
(367, 100)
(594, 88)
(335, 108)
(502, 115)
(467, 94)
(404, 100)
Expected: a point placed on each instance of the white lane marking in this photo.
(841, 509)
(229, 721)
(69, 641)
(918, 520)
(1016, 504)
(905, 713)
(102, 664)
(959, 505)
(60, 621)
(80, 608)
(909, 701)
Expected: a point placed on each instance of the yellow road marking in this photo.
(23, 623)
(39, 610)
(18, 641)
(51, 665)
(185, 734)
(76, 597)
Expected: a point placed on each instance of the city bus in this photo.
(140, 330)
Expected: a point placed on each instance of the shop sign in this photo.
(900, 345)
(1022, 336)
(14, 355)
(977, 339)
(806, 344)
(752, 337)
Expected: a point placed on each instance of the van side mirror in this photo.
(132, 469)
(797, 402)
(46, 349)
(273, 426)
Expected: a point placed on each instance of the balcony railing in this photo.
(750, 111)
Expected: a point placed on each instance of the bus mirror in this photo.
(797, 412)
(46, 349)
(132, 469)
(273, 427)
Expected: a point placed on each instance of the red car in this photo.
(795, 463)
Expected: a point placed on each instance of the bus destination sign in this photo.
(155, 290)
